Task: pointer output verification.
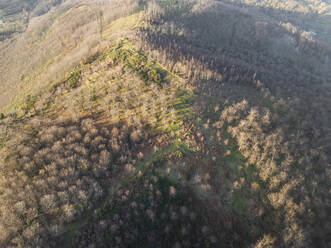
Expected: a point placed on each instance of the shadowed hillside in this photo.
(169, 123)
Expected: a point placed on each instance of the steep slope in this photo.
(182, 124)
(54, 43)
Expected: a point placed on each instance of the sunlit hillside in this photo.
(165, 123)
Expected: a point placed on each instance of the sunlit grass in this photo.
(122, 24)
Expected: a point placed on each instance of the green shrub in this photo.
(29, 103)
(74, 78)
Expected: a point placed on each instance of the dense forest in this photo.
(165, 123)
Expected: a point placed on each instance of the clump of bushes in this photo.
(136, 61)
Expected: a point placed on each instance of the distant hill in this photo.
(313, 16)
(15, 14)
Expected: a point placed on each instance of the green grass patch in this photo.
(183, 104)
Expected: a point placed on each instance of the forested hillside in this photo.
(312, 16)
(166, 123)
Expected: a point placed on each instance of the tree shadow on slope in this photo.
(238, 44)
(245, 55)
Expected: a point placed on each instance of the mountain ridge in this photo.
(166, 123)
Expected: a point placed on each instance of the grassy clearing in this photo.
(122, 24)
